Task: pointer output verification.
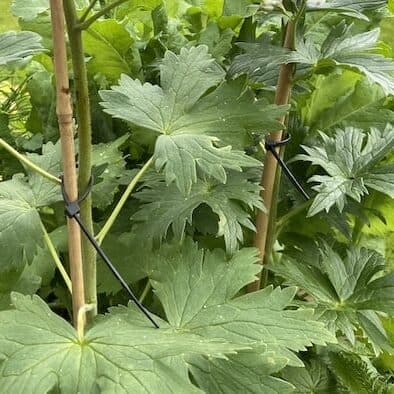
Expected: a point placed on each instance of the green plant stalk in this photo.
(115, 213)
(24, 160)
(282, 221)
(85, 149)
(56, 259)
(85, 25)
(146, 291)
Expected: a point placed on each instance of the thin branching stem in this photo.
(146, 291)
(88, 22)
(56, 259)
(24, 160)
(88, 9)
(115, 213)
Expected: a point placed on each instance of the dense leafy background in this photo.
(191, 84)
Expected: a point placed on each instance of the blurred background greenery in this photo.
(7, 20)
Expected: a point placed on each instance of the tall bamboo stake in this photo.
(65, 118)
(282, 97)
(82, 106)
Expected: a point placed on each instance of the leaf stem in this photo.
(56, 259)
(145, 292)
(282, 221)
(88, 9)
(86, 24)
(115, 213)
(24, 160)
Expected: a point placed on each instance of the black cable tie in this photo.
(72, 211)
(271, 146)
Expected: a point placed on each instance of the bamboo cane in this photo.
(65, 118)
(282, 97)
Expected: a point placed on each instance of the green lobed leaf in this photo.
(28, 10)
(18, 45)
(110, 157)
(351, 160)
(187, 284)
(179, 108)
(348, 291)
(347, 7)
(20, 225)
(41, 352)
(247, 372)
(173, 210)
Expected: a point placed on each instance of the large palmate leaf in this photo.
(41, 352)
(172, 210)
(20, 225)
(17, 46)
(197, 290)
(351, 160)
(348, 292)
(178, 111)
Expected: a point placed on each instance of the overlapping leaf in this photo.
(345, 291)
(109, 161)
(18, 45)
(20, 225)
(177, 110)
(341, 100)
(341, 48)
(347, 7)
(108, 43)
(172, 210)
(197, 291)
(352, 51)
(352, 162)
(42, 352)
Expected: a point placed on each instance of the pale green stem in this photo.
(282, 221)
(115, 213)
(56, 259)
(24, 160)
(85, 25)
(88, 9)
(145, 291)
(83, 310)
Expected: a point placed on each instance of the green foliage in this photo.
(38, 346)
(348, 292)
(172, 210)
(352, 163)
(189, 127)
(17, 46)
(193, 86)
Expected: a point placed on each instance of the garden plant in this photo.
(196, 196)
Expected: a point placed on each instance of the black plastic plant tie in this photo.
(72, 211)
(271, 146)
